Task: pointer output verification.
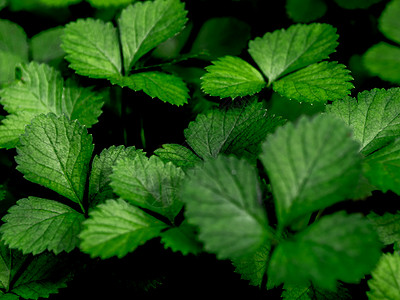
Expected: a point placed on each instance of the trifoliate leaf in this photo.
(374, 117)
(305, 10)
(179, 155)
(46, 46)
(221, 36)
(311, 293)
(354, 4)
(383, 60)
(166, 87)
(231, 76)
(223, 199)
(382, 168)
(144, 25)
(253, 267)
(92, 48)
(237, 130)
(41, 90)
(149, 183)
(389, 23)
(385, 279)
(34, 225)
(116, 228)
(286, 50)
(387, 226)
(337, 247)
(109, 3)
(310, 166)
(182, 239)
(316, 83)
(13, 49)
(99, 181)
(55, 152)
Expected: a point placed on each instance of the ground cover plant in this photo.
(177, 148)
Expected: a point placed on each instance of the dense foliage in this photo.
(178, 148)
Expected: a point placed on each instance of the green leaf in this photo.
(305, 10)
(253, 267)
(311, 293)
(231, 76)
(382, 168)
(116, 228)
(316, 83)
(238, 130)
(223, 200)
(34, 225)
(287, 50)
(385, 279)
(149, 183)
(389, 22)
(374, 117)
(99, 180)
(59, 3)
(179, 155)
(8, 296)
(92, 48)
(109, 3)
(41, 90)
(182, 239)
(13, 49)
(354, 4)
(145, 25)
(383, 60)
(11, 262)
(221, 36)
(55, 152)
(310, 166)
(337, 247)
(166, 87)
(46, 46)
(387, 226)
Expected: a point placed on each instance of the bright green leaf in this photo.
(177, 154)
(34, 225)
(286, 50)
(223, 199)
(144, 25)
(387, 226)
(55, 152)
(383, 60)
(116, 228)
(385, 280)
(389, 22)
(310, 166)
(182, 238)
(305, 10)
(92, 48)
(149, 183)
(237, 130)
(374, 117)
(109, 3)
(99, 181)
(12, 126)
(316, 83)
(337, 247)
(231, 76)
(59, 3)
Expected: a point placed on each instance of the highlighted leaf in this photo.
(149, 183)
(92, 48)
(34, 225)
(316, 83)
(385, 278)
(283, 51)
(145, 25)
(116, 228)
(223, 199)
(337, 247)
(233, 77)
(310, 166)
(55, 153)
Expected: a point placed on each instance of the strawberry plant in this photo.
(171, 147)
